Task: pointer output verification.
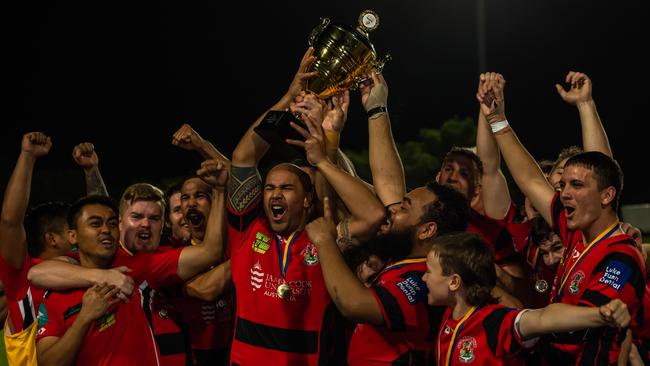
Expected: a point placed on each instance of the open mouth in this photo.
(107, 242)
(277, 211)
(569, 211)
(144, 235)
(195, 218)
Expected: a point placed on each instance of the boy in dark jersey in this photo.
(460, 274)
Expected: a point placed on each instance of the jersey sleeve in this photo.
(502, 335)
(50, 317)
(400, 298)
(617, 276)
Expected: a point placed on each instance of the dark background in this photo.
(126, 75)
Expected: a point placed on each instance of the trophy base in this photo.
(275, 129)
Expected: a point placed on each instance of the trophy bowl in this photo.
(343, 55)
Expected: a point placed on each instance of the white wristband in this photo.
(498, 126)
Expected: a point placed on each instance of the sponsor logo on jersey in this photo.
(257, 276)
(413, 288)
(261, 243)
(616, 274)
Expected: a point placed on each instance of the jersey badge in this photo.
(310, 255)
(257, 276)
(574, 287)
(466, 345)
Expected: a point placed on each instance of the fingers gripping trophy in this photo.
(344, 56)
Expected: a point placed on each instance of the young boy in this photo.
(460, 274)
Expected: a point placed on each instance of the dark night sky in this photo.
(131, 72)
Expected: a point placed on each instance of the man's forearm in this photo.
(65, 350)
(59, 275)
(94, 183)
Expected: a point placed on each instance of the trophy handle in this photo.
(316, 32)
(379, 65)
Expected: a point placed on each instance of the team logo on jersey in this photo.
(257, 276)
(466, 345)
(310, 255)
(574, 287)
(261, 243)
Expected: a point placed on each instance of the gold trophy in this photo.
(343, 55)
(343, 58)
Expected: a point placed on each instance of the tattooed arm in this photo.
(84, 154)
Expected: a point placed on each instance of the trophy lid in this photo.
(368, 22)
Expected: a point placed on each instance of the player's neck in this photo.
(460, 308)
(94, 262)
(606, 219)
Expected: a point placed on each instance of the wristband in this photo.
(376, 112)
(498, 126)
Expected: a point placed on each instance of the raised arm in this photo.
(522, 166)
(63, 350)
(211, 284)
(366, 211)
(385, 163)
(579, 94)
(187, 138)
(197, 258)
(560, 318)
(494, 188)
(251, 148)
(355, 301)
(13, 242)
(85, 156)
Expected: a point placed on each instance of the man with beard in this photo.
(94, 227)
(177, 227)
(207, 310)
(394, 322)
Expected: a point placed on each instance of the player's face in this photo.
(141, 226)
(552, 250)
(285, 201)
(580, 197)
(437, 283)
(179, 227)
(461, 173)
(97, 232)
(556, 174)
(406, 216)
(196, 201)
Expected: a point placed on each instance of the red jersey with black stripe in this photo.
(409, 323)
(164, 318)
(487, 336)
(123, 335)
(593, 275)
(495, 234)
(23, 299)
(304, 327)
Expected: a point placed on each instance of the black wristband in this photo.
(372, 112)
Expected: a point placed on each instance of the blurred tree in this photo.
(422, 157)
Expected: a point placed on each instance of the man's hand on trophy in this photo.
(336, 112)
(299, 82)
(310, 107)
(376, 94)
(314, 143)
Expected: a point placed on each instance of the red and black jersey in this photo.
(23, 299)
(641, 334)
(124, 330)
(487, 335)
(593, 275)
(281, 319)
(495, 234)
(409, 323)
